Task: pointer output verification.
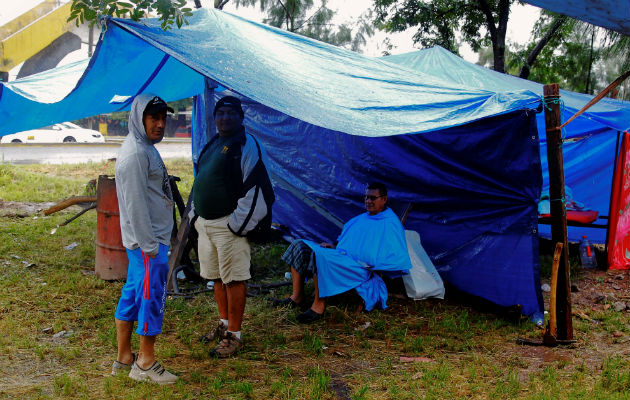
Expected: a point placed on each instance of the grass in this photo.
(462, 352)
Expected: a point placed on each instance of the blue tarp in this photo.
(476, 188)
(122, 65)
(589, 150)
(333, 120)
(610, 14)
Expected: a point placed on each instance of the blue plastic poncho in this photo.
(367, 243)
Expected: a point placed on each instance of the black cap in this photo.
(156, 106)
(229, 101)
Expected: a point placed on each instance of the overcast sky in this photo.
(522, 18)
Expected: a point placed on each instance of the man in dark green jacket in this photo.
(230, 197)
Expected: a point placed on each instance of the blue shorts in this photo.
(143, 297)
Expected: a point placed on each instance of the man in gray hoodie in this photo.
(146, 221)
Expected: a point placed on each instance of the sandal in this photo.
(227, 347)
(218, 333)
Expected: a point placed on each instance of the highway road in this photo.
(76, 153)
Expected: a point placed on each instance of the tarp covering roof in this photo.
(331, 121)
(610, 14)
(590, 140)
(441, 63)
(321, 84)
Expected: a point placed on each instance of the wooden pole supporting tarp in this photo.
(558, 208)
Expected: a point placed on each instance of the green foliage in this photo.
(615, 375)
(481, 23)
(567, 59)
(314, 20)
(68, 387)
(20, 183)
(319, 381)
(313, 343)
(94, 11)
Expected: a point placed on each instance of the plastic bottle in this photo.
(587, 254)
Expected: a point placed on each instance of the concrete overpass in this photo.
(41, 38)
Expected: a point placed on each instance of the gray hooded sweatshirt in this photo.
(144, 194)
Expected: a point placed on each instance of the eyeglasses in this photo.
(371, 198)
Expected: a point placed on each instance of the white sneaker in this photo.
(118, 367)
(156, 374)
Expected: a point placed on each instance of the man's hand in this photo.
(327, 245)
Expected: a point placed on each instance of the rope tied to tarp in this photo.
(547, 102)
(552, 100)
(563, 199)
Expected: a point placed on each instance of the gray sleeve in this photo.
(134, 185)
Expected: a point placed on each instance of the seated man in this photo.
(373, 241)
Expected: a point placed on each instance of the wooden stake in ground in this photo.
(558, 208)
(550, 336)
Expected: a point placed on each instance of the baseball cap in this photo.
(157, 105)
(229, 101)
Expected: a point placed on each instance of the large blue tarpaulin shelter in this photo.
(590, 140)
(332, 120)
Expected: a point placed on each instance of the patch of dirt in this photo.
(28, 370)
(593, 291)
(597, 290)
(21, 209)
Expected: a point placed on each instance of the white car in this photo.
(65, 132)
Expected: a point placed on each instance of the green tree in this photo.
(480, 22)
(609, 69)
(569, 57)
(93, 11)
(546, 29)
(314, 20)
(617, 46)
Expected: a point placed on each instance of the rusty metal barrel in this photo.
(111, 257)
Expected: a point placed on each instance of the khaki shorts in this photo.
(222, 254)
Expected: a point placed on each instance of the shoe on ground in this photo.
(286, 302)
(155, 374)
(227, 347)
(309, 316)
(218, 333)
(118, 367)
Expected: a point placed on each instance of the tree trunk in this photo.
(218, 4)
(497, 32)
(498, 50)
(531, 58)
(590, 65)
(499, 56)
